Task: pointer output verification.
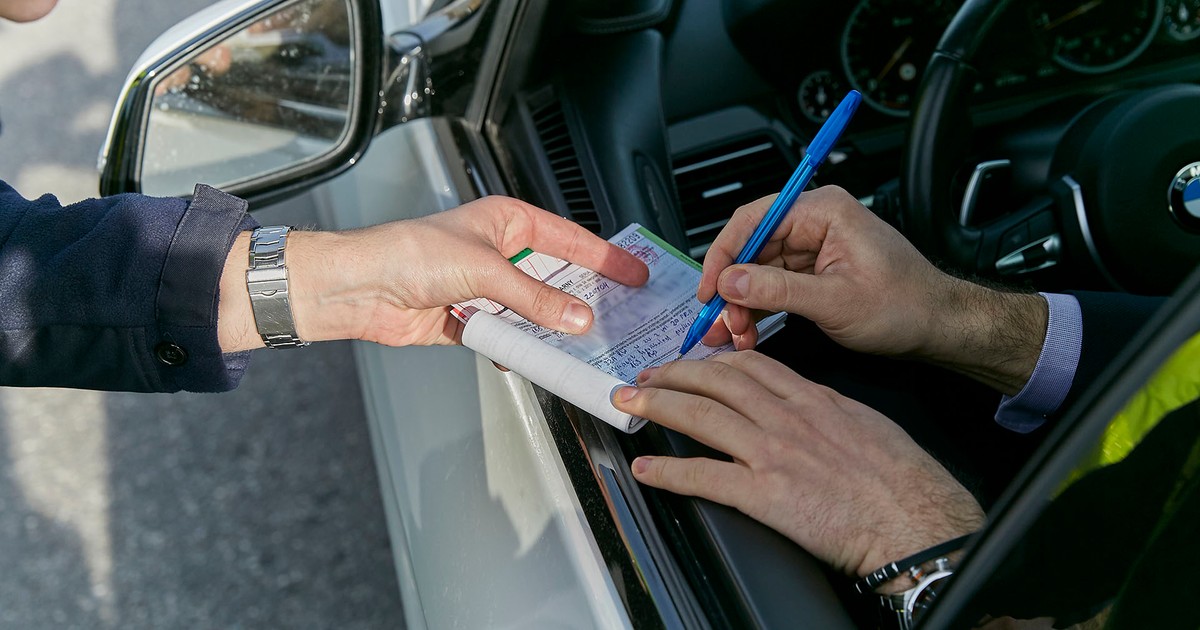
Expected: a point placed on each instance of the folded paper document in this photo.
(633, 328)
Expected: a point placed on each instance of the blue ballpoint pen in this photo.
(816, 153)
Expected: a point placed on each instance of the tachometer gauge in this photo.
(1181, 19)
(1094, 36)
(819, 93)
(886, 46)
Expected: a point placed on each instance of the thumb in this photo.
(774, 289)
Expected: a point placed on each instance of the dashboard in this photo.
(790, 62)
(815, 53)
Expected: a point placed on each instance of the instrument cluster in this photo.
(883, 46)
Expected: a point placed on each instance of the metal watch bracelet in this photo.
(904, 610)
(267, 282)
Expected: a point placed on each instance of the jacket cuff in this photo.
(187, 354)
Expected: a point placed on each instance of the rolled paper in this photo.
(572, 379)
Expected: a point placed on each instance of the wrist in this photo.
(937, 517)
(329, 299)
(901, 574)
(905, 579)
(235, 320)
(894, 551)
(992, 336)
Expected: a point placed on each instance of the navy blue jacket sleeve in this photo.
(118, 293)
(1110, 320)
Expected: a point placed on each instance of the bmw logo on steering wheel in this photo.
(1184, 196)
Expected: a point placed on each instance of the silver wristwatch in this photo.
(267, 281)
(906, 608)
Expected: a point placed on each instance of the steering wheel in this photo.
(1119, 210)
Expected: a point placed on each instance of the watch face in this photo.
(925, 598)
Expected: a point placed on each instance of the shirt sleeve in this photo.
(118, 293)
(1054, 373)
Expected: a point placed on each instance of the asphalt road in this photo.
(254, 509)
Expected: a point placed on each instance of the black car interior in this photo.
(1029, 143)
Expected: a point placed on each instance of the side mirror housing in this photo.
(261, 98)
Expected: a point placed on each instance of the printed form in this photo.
(633, 328)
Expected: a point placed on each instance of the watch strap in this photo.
(267, 283)
(891, 570)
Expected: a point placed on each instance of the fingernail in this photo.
(641, 465)
(645, 375)
(625, 394)
(576, 317)
(736, 284)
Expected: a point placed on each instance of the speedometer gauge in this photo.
(886, 46)
(1181, 19)
(1094, 36)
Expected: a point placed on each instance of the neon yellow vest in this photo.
(1174, 385)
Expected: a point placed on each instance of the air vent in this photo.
(552, 130)
(712, 184)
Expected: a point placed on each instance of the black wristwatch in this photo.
(904, 609)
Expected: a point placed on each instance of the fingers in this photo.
(721, 382)
(776, 289)
(700, 477)
(536, 301)
(561, 238)
(705, 419)
(728, 244)
(718, 335)
(740, 322)
(772, 375)
(736, 325)
(805, 228)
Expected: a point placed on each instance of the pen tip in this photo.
(679, 356)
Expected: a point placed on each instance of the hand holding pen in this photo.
(815, 155)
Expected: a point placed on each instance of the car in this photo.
(1046, 144)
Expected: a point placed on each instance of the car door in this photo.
(1099, 525)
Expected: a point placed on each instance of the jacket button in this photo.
(170, 354)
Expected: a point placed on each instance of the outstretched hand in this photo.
(835, 476)
(463, 253)
(393, 283)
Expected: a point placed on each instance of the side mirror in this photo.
(261, 99)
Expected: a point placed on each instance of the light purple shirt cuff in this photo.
(1052, 377)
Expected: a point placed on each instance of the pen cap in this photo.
(828, 136)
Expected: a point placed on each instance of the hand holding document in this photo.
(633, 329)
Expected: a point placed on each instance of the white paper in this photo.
(633, 328)
(572, 380)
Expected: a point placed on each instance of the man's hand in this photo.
(833, 475)
(392, 283)
(834, 262)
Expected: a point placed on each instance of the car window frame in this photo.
(1074, 438)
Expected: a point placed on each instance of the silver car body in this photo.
(485, 526)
